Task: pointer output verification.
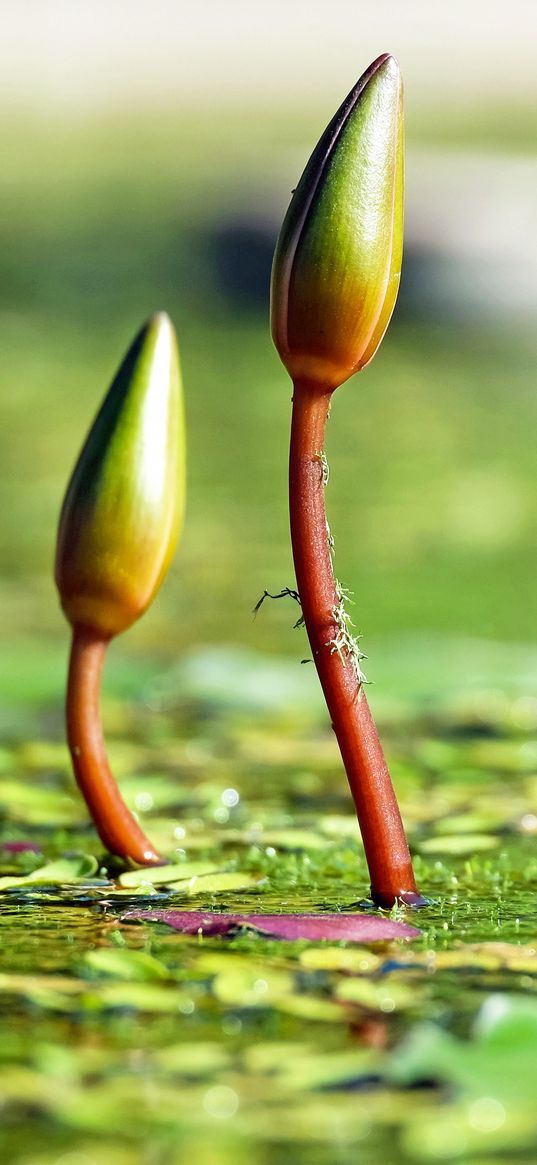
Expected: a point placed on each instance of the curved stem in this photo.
(385, 844)
(115, 824)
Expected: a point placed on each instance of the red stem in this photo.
(115, 824)
(385, 844)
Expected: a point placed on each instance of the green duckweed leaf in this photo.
(43, 755)
(271, 1059)
(33, 805)
(120, 963)
(384, 997)
(216, 883)
(459, 844)
(61, 872)
(167, 875)
(50, 992)
(507, 1021)
(246, 986)
(309, 1007)
(193, 1060)
(328, 1070)
(138, 996)
(475, 824)
(356, 962)
(300, 1067)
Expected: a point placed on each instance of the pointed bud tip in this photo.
(385, 71)
(385, 59)
(337, 262)
(159, 323)
(159, 319)
(124, 504)
(384, 65)
(390, 67)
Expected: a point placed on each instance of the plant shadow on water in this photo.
(125, 1041)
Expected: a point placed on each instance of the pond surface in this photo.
(125, 1042)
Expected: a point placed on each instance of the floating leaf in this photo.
(51, 992)
(460, 844)
(138, 997)
(473, 957)
(20, 847)
(331, 1070)
(136, 966)
(166, 875)
(193, 1060)
(33, 805)
(339, 959)
(509, 1021)
(308, 1007)
(216, 883)
(363, 928)
(273, 1058)
(476, 824)
(242, 985)
(385, 997)
(62, 872)
(44, 755)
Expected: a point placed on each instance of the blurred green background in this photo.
(147, 163)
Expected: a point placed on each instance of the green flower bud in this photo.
(337, 264)
(124, 505)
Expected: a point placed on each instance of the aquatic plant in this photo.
(335, 280)
(118, 529)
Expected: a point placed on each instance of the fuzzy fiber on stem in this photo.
(383, 835)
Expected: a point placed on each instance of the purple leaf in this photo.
(358, 928)
(20, 847)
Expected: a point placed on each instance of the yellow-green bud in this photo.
(124, 505)
(337, 263)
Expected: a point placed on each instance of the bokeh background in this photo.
(148, 156)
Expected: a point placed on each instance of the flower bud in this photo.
(124, 504)
(337, 263)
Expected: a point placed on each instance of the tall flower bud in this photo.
(124, 504)
(334, 284)
(118, 529)
(337, 263)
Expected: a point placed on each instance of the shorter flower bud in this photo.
(124, 505)
(337, 263)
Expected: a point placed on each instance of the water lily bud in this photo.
(337, 264)
(124, 504)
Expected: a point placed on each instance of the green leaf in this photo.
(137, 966)
(62, 872)
(460, 844)
(216, 883)
(384, 996)
(326, 958)
(167, 875)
